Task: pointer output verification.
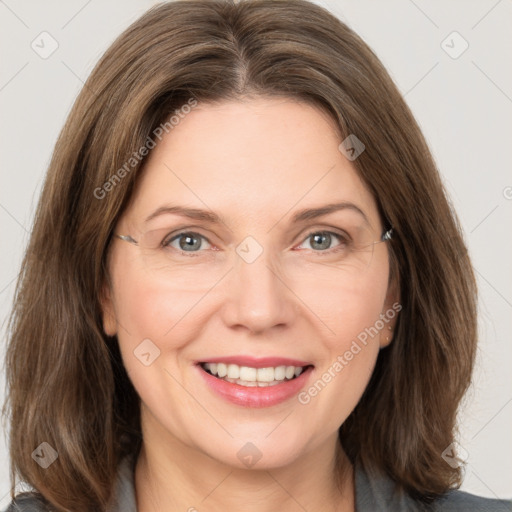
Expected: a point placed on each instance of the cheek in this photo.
(359, 327)
(153, 319)
(350, 348)
(154, 326)
(342, 307)
(152, 306)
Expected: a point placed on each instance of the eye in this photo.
(321, 241)
(188, 241)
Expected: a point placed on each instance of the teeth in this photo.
(280, 373)
(251, 384)
(222, 370)
(265, 375)
(248, 376)
(233, 371)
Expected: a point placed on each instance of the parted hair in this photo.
(66, 383)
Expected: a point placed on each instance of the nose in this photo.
(257, 296)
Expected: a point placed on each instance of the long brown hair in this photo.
(67, 385)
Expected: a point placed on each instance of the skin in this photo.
(254, 162)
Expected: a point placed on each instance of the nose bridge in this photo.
(258, 298)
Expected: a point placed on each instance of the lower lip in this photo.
(255, 396)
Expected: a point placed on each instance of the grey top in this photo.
(372, 495)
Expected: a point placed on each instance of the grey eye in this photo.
(320, 240)
(188, 242)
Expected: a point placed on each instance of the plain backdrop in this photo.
(458, 85)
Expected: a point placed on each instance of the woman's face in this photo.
(256, 289)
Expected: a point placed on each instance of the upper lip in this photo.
(256, 362)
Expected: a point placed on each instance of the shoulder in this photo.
(377, 492)
(28, 502)
(455, 501)
(123, 499)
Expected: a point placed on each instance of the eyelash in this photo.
(343, 239)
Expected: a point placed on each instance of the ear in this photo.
(107, 310)
(391, 309)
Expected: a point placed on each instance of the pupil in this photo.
(325, 236)
(188, 243)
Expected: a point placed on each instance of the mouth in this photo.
(249, 376)
(253, 382)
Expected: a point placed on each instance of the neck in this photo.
(173, 476)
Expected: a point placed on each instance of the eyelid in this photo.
(171, 233)
(325, 229)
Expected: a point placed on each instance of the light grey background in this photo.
(463, 105)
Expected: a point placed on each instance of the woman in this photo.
(243, 260)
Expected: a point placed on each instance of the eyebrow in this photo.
(298, 217)
(313, 213)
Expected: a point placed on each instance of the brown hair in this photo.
(67, 385)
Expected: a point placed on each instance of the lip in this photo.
(256, 362)
(254, 396)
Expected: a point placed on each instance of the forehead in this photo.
(253, 159)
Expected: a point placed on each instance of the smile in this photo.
(255, 383)
(251, 377)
